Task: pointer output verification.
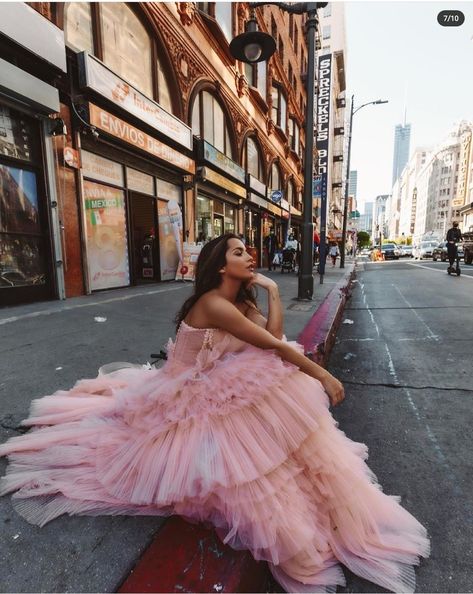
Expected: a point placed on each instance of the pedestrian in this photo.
(334, 253)
(271, 244)
(235, 430)
(454, 235)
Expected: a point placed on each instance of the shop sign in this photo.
(457, 202)
(27, 28)
(139, 181)
(97, 77)
(285, 215)
(275, 195)
(18, 84)
(221, 161)
(284, 204)
(323, 123)
(101, 169)
(294, 211)
(217, 179)
(168, 191)
(257, 200)
(103, 120)
(257, 186)
(274, 209)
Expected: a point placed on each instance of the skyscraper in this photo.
(352, 183)
(402, 140)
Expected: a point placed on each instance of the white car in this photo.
(424, 249)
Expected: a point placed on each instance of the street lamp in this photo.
(256, 46)
(347, 178)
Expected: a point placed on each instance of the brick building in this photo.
(120, 114)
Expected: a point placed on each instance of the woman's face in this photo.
(240, 265)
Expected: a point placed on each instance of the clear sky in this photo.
(394, 50)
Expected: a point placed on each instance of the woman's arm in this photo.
(275, 321)
(226, 316)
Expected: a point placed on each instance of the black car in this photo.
(441, 252)
(390, 251)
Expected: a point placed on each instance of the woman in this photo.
(234, 430)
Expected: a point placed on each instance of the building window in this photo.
(209, 122)
(126, 44)
(281, 50)
(78, 26)
(294, 136)
(327, 10)
(291, 193)
(256, 76)
(223, 16)
(296, 41)
(120, 40)
(279, 108)
(275, 177)
(252, 161)
(274, 29)
(326, 32)
(290, 75)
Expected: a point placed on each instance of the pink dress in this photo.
(224, 433)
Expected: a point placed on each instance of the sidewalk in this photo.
(48, 346)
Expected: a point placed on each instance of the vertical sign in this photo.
(322, 143)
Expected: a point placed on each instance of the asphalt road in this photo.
(404, 353)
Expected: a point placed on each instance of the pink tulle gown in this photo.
(224, 433)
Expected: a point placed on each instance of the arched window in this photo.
(121, 41)
(291, 193)
(209, 122)
(126, 45)
(275, 178)
(252, 161)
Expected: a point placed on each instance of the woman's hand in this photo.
(262, 281)
(334, 389)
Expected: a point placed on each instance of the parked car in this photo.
(390, 251)
(424, 249)
(441, 252)
(365, 252)
(468, 247)
(405, 251)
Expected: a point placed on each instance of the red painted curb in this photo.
(318, 336)
(185, 557)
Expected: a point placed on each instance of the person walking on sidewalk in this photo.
(271, 245)
(234, 430)
(334, 253)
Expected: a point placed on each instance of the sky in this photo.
(397, 50)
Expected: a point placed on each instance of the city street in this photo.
(404, 355)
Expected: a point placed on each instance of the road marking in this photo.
(438, 450)
(47, 312)
(436, 270)
(431, 335)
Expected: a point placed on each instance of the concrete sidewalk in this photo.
(48, 346)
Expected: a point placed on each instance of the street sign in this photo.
(355, 214)
(276, 195)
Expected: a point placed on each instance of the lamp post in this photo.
(256, 46)
(347, 178)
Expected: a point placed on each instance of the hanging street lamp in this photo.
(256, 46)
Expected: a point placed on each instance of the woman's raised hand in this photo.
(262, 281)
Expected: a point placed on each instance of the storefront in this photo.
(30, 247)
(132, 185)
(219, 194)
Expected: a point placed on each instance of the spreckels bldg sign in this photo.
(96, 76)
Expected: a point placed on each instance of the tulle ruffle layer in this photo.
(244, 442)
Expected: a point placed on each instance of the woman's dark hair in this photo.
(211, 260)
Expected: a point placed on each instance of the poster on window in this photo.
(168, 246)
(190, 254)
(107, 251)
